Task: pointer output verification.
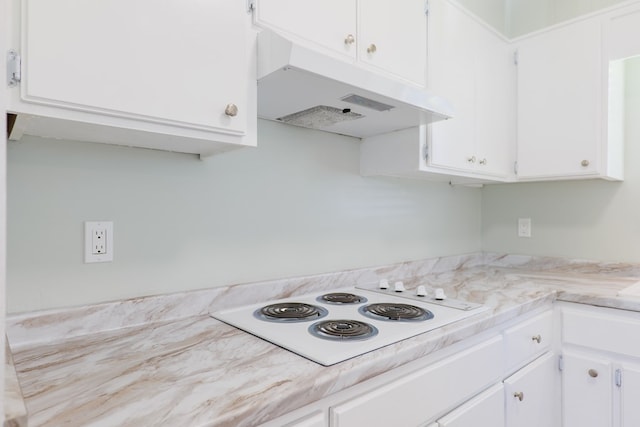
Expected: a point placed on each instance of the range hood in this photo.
(305, 87)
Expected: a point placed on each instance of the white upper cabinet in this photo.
(566, 93)
(393, 37)
(329, 24)
(387, 37)
(157, 74)
(473, 67)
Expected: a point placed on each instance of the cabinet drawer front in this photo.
(420, 397)
(486, 409)
(528, 340)
(601, 331)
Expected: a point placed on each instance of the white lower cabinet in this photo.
(532, 394)
(586, 391)
(419, 397)
(630, 396)
(601, 367)
(486, 409)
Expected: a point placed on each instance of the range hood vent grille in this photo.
(320, 117)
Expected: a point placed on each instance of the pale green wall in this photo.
(296, 205)
(517, 17)
(579, 219)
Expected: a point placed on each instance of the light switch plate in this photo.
(98, 241)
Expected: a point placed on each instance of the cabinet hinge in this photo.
(14, 74)
(515, 167)
(426, 152)
(426, 7)
(560, 363)
(618, 378)
(251, 5)
(515, 57)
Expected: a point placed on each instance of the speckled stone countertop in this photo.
(164, 361)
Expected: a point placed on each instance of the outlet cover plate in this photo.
(524, 227)
(98, 233)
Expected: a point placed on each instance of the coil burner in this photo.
(341, 298)
(343, 330)
(396, 311)
(290, 312)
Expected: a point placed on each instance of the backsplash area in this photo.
(296, 205)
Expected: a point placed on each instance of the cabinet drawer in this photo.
(486, 409)
(420, 397)
(527, 340)
(602, 331)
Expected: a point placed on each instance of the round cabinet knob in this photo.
(593, 373)
(584, 163)
(349, 39)
(519, 395)
(372, 48)
(471, 159)
(398, 287)
(483, 162)
(384, 284)
(537, 338)
(231, 110)
(421, 291)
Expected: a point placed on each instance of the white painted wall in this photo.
(296, 205)
(580, 219)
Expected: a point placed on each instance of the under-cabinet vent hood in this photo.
(304, 87)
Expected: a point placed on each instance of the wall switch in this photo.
(98, 241)
(524, 227)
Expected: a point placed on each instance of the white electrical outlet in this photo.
(524, 227)
(98, 241)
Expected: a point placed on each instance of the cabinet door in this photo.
(586, 391)
(177, 63)
(393, 37)
(451, 75)
(560, 102)
(495, 105)
(486, 409)
(473, 68)
(531, 394)
(328, 23)
(630, 399)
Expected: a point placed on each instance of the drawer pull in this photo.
(593, 373)
(519, 395)
(537, 338)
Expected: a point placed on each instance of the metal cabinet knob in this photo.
(349, 39)
(519, 395)
(471, 159)
(483, 162)
(372, 48)
(536, 338)
(584, 163)
(593, 373)
(231, 110)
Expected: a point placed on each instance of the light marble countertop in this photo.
(164, 361)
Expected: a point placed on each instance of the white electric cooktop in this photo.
(347, 322)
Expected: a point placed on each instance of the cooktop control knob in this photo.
(384, 284)
(421, 291)
(440, 294)
(398, 287)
